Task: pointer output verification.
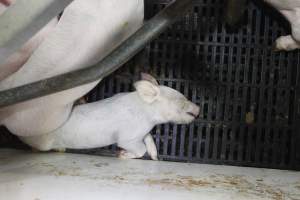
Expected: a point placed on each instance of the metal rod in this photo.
(24, 19)
(112, 62)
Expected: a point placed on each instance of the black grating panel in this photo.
(246, 91)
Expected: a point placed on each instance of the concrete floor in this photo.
(43, 176)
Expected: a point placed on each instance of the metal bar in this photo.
(24, 19)
(112, 62)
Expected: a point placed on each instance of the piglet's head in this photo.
(166, 103)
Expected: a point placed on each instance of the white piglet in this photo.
(290, 9)
(125, 119)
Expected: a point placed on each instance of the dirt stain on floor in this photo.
(185, 183)
(237, 183)
(101, 165)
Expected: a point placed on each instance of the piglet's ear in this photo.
(148, 77)
(147, 91)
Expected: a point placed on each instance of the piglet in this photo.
(125, 119)
(290, 9)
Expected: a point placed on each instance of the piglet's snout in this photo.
(194, 109)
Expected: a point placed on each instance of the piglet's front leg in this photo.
(137, 149)
(150, 146)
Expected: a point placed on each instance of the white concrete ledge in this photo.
(44, 176)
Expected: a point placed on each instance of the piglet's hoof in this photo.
(275, 48)
(123, 154)
(154, 157)
(62, 150)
